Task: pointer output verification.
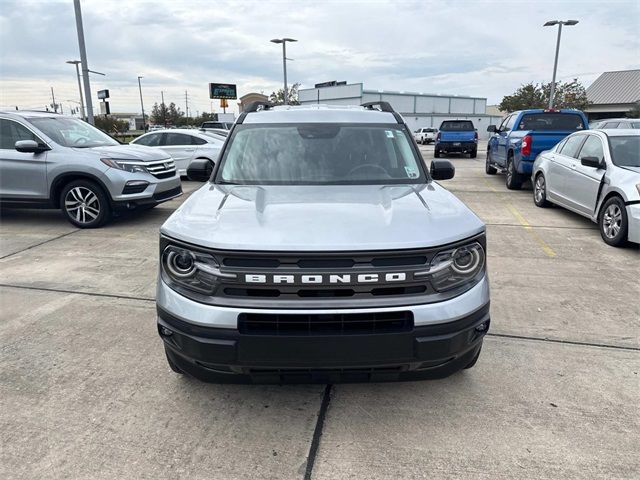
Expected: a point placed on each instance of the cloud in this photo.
(458, 47)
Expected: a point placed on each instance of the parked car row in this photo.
(593, 172)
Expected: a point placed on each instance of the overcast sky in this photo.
(479, 48)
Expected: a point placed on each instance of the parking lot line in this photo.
(527, 226)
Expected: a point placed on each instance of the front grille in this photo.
(161, 169)
(324, 324)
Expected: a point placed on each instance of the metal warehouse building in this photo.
(418, 109)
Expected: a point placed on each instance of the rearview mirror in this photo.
(30, 146)
(593, 162)
(200, 170)
(492, 128)
(442, 170)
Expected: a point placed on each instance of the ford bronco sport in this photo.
(320, 250)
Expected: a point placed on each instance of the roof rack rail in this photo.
(253, 107)
(384, 107)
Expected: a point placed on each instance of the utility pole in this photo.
(83, 60)
(76, 63)
(186, 103)
(164, 110)
(55, 105)
(144, 123)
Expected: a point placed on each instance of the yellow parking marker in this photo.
(527, 226)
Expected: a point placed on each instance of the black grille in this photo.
(168, 193)
(324, 324)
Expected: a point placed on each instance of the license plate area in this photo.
(457, 144)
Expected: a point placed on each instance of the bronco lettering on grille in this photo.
(326, 279)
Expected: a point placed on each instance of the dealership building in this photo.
(418, 109)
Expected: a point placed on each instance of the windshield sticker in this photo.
(411, 172)
(389, 133)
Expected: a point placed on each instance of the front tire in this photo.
(514, 180)
(473, 154)
(540, 192)
(613, 222)
(85, 204)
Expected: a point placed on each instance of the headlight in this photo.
(190, 269)
(455, 267)
(126, 166)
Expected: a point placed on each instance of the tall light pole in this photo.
(560, 23)
(284, 41)
(144, 123)
(83, 60)
(76, 63)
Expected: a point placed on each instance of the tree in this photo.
(163, 115)
(534, 95)
(277, 98)
(111, 125)
(635, 111)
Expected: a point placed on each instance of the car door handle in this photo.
(573, 166)
(189, 149)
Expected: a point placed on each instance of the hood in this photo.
(129, 152)
(322, 218)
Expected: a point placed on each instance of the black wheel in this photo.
(436, 153)
(540, 192)
(489, 170)
(613, 222)
(172, 365)
(474, 360)
(473, 154)
(85, 204)
(514, 179)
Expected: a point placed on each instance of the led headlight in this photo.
(191, 269)
(452, 268)
(127, 166)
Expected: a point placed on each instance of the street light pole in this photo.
(560, 23)
(284, 41)
(76, 63)
(83, 60)
(144, 123)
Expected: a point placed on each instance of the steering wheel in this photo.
(370, 166)
(80, 141)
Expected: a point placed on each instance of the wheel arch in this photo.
(64, 178)
(610, 194)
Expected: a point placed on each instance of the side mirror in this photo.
(492, 128)
(200, 170)
(30, 146)
(442, 170)
(593, 162)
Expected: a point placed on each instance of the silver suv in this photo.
(54, 161)
(321, 249)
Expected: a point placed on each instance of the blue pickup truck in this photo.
(522, 135)
(456, 136)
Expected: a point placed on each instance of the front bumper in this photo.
(456, 147)
(444, 338)
(633, 219)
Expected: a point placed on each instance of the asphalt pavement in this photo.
(85, 391)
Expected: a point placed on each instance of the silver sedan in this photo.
(595, 173)
(184, 145)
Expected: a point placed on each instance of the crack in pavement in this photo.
(317, 432)
(39, 244)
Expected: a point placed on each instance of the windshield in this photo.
(71, 132)
(625, 151)
(456, 126)
(320, 154)
(551, 121)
